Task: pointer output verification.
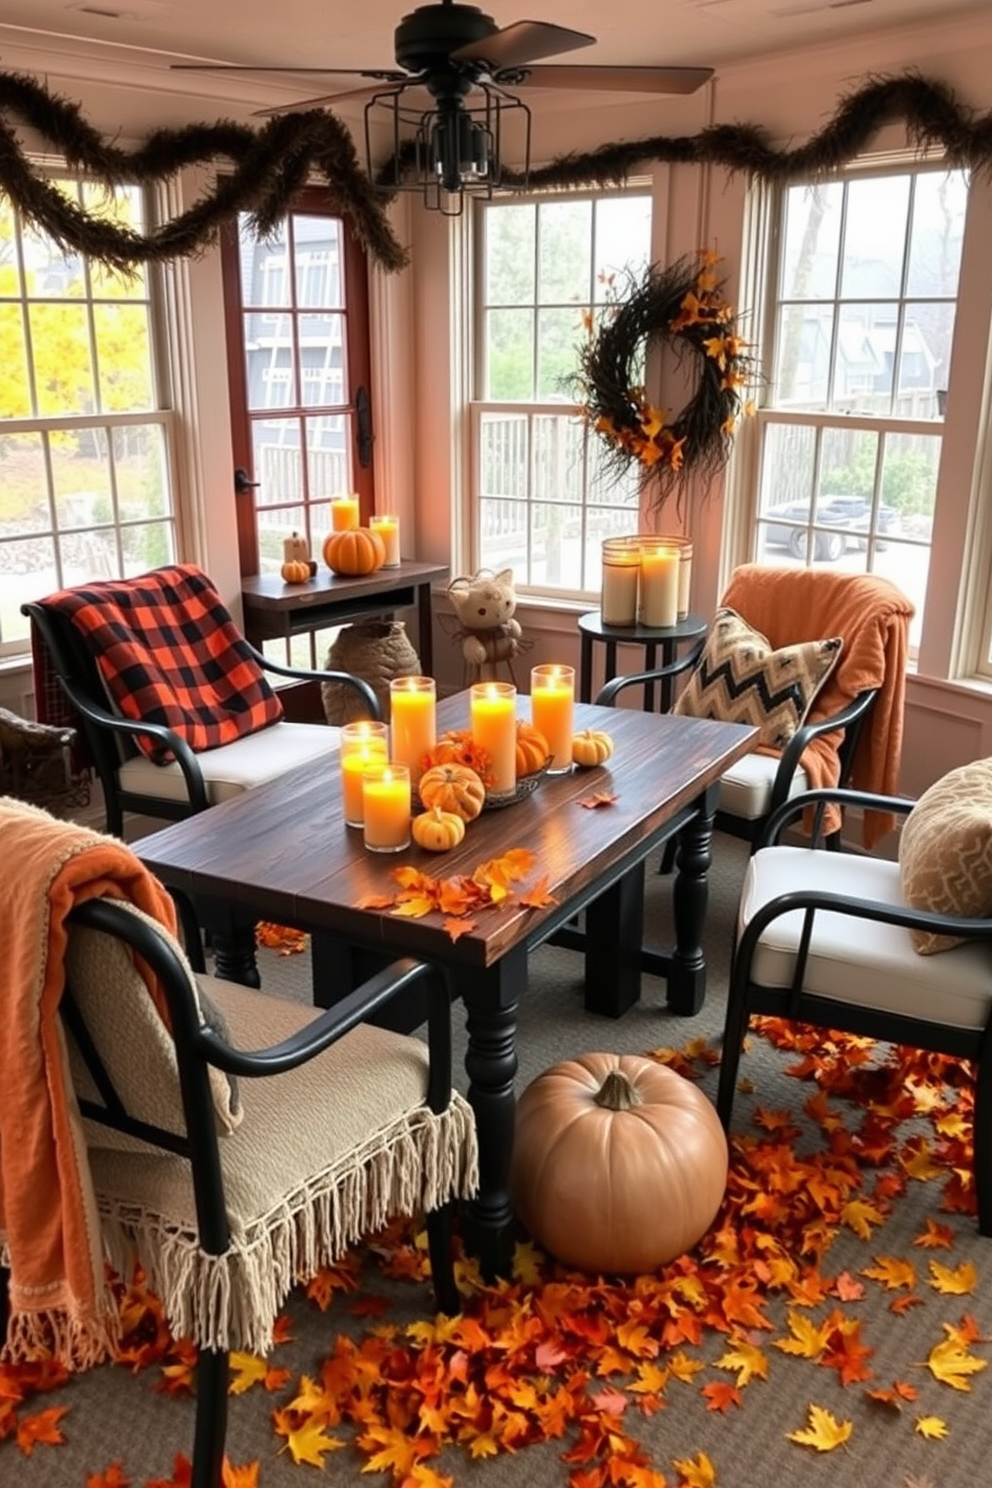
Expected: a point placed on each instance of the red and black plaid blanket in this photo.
(169, 652)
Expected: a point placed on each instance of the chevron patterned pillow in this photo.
(741, 678)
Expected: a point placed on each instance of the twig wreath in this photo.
(682, 306)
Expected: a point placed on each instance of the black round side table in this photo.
(668, 639)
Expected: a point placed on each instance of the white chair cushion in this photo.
(746, 788)
(324, 1154)
(856, 960)
(235, 767)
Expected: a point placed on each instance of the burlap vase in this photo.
(375, 650)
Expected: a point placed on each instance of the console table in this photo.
(666, 638)
(275, 610)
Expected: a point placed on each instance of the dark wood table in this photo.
(282, 852)
(275, 610)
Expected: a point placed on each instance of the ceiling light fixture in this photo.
(457, 146)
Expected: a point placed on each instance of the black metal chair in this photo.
(825, 938)
(223, 1224)
(191, 782)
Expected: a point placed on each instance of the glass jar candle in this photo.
(363, 742)
(413, 721)
(621, 573)
(493, 717)
(658, 592)
(552, 695)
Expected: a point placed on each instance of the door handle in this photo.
(242, 483)
(363, 412)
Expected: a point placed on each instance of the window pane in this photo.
(264, 280)
(939, 206)
(503, 536)
(557, 458)
(147, 546)
(875, 237)
(124, 357)
(276, 459)
(23, 484)
(863, 361)
(925, 358)
(802, 357)
(269, 361)
(812, 238)
(15, 389)
(141, 470)
(510, 242)
(503, 456)
(558, 333)
(328, 457)
(565, 252)
(60, 349)
(322, 370)
(623, 239)
(509, 354)
(317, 241)
(556, 547)
(81, 477)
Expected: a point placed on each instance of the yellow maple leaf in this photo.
(747, 1360)
(397, 1452)
(651, 1379)
(414, 906)
(808, 1341)
(958, 1281)
(246, 1370)
(892, 1271)
(952, 1124)
(695, 1472)
(681, 1367)
(859, 1215)
(314, 1401)
(824, 1431)
(951, 1363)
(921, 1165)
(309, 1442)
(527, 1263)
(932, 1427)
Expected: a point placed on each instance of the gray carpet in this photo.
(117, 1416)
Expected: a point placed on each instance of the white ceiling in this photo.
(359, 33)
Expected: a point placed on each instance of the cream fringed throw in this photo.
(49, 1226)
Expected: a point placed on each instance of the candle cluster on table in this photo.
(646, 580)
(363, 742)
(552, 698)
(388, 528)
(413, 721)
(344, 513)
(493, 717)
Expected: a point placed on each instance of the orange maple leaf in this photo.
(720, 1396)
(43, 1427)
(245, 1476)
(601, 798)
(111, 1477)
(182, 1475)
(538, 897)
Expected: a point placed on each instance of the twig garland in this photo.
(270, 166)
(682, 306)
(272, 162)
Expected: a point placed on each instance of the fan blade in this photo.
(325, 100)
(612, 79)
(384, 74)
(521, 43)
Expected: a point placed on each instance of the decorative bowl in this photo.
(526, 786)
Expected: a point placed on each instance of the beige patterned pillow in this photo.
(741, 678)
(945, 851)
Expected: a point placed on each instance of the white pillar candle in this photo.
(388, 529)
(659, 587)
(618, 605)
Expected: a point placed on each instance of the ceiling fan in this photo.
(466, 63)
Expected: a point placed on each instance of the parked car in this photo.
(850, 513)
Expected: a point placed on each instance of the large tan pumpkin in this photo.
(619, 1164)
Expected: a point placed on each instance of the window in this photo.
(85, 488)
(542, 502)
(299, 362)
(852, 424)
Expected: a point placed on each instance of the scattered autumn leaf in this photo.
(824, 1431)
(956, 1282)
(40, 1428)
(951, 1363)
(931, 1427)
(601, 798)
(112, 1477)
(695, 1472)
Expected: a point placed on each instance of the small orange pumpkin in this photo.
(532, 749)
(438, 830)
(454, 788)
(356, 551)
(295, 571)
(591, 747)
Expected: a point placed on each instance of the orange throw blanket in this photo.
(790, 605)
(59, 1301)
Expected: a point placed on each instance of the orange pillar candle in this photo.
(413, 718)
(344, 513)
(493, 714)
(659, 590)
(388, 529)
(386, 807)
(363, 743)
(552, 696)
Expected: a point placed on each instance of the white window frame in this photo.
(160, 416)
(955, 641)
(531, 409)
